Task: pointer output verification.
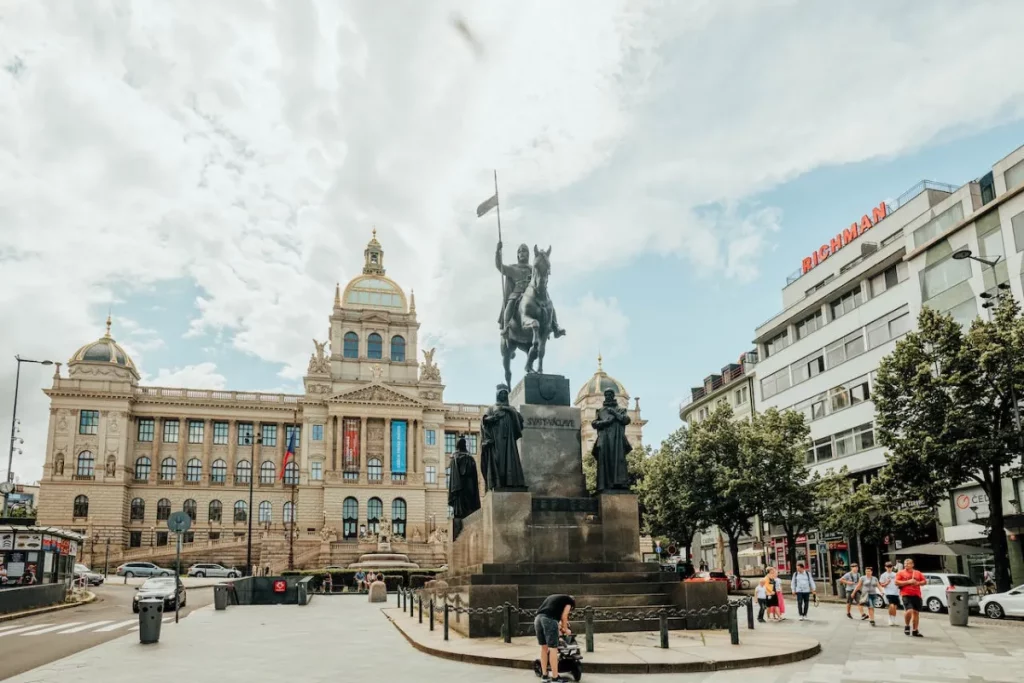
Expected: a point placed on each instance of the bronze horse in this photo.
(532, 327)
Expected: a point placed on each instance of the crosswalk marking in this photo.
(8, 628)
(114, 627)
(21, 629)
(86, 627)
(50, 628)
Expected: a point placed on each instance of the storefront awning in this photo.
(941, 549)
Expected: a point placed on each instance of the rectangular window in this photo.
(938, 225)
(318, 432)
(244, 434)
(214, 536)
(289, 430)
(855, 344)
(774, 383)
(776, 343)
(1014, 176)
(316, 471)
(844, 443)
(89, 422)
(898, 235)
(740, 396)
(161, 538)
(220, 433)
(1018, 230)
(471, 443)
(820, 450)
(431, 474)
(135, 539)
(170, 431)
(430, 437)
(811, 323)
(269, 435)
(808, 367)
(944, 275)
(846, 303)
(864, 437)
(889, 278)
(145, 432)
(449, 442)
(195, 431)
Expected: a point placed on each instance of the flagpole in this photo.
(497, 205)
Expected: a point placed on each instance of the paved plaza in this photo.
(347, 639)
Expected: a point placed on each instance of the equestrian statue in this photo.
(528, 316)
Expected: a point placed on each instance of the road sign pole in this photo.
(178, 523)
(177, 571)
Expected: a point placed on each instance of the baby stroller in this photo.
(570, 661)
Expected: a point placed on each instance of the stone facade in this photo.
(371, 440)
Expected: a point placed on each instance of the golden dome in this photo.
(103, 350)
(599, 383)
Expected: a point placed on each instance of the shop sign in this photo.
(965, 499)
(28, 541)
(7, 541)
(837, 545)
(856, 229)
(73, 550)
(801, 539)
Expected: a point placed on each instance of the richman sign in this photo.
(845, 237)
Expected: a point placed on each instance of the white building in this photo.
(862, 289)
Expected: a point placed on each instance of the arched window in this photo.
(189, 509)
(374, 346)
(138, 510)
(86, 464)
(289, 512)
(375, 469)
(142, 467)
(163, 510)
(398, 518)
(219, 472)
(194, 470)
(351, 345)
(240, 510)
(291, 474)
(267, 472)
(398, 348)
(266, 509)
(216, 510)
(350, 518)
(81, 506)
(168, 468)
(243, 470)
(374, 511)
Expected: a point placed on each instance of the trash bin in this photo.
(151, 615)
(959, 606)
(220, 596)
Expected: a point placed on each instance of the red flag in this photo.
(290, 453)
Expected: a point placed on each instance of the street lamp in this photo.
(248, 440)
(7, 488)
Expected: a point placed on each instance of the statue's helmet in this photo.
(523, 252)
(502, 389)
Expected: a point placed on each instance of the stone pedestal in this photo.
(551, 452)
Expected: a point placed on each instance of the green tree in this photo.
(945, 401)
(666, 492)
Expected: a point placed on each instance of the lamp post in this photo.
(14, 423)
(251, 442)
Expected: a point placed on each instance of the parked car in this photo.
(130, 569)
(201, 570)
(169, 589)
(934, 593)
(1008, 604)
(90, 577)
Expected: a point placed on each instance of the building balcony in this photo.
(228, 396)
(140, 481)
(350, 475)
(192, 482)
(398, 478)
(83, 477)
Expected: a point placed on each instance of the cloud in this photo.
(250, 147)
(199, 376)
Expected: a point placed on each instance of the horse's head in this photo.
(541, 262)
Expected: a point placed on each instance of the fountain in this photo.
(383, 561)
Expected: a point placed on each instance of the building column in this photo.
(339, 448)
(182, 456)
(330, 464)
(387, 449)
(207, 446)
(363, 456)
(282, 444)
(232, 445)
(158, 442)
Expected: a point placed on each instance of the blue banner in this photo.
(398, 446)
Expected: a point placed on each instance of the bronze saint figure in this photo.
(463, 487)
(611, 447)
(502, 426)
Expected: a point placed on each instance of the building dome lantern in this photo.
(373, 289)
(601, 382)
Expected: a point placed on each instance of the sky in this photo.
(208, 171)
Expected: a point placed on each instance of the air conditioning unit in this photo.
(868, 248)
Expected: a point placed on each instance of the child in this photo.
(762, 600)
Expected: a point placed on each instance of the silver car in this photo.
(130, 569)
(201, 570)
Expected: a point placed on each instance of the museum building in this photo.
(372, 440)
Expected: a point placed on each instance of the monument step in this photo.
(605, 601)
(569, 568)
(612, 626)
(544, 590)
(584, 578)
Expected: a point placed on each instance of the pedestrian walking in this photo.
(851, 579)
(892, 592)
(782, 598)
(771, 595)
(867, 588)
(910, 581)
(762, 600)
(802, 585)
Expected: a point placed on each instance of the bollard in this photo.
(398, 598)
(750, 614)
(458, 600)
(506, 626)
(588, 621)
(446, 620)
(421, 607)
(412, 604)
(431, 606)
(734, 624)
(663, 628)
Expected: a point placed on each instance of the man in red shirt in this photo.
(909, 582)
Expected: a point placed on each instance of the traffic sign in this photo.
(179, 522)
(280, 586)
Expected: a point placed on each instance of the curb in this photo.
(619, 668)
(91, 597)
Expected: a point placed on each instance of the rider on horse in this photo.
(518, 277)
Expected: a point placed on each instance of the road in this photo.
(33, 641)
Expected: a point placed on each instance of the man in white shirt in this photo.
(892, 592)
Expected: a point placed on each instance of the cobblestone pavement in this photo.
(347, 639)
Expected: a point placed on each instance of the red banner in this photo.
(350, 445)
